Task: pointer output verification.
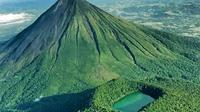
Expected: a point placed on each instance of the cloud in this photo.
(11, 18)
(157, 25)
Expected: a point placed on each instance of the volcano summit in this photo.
(76, 57)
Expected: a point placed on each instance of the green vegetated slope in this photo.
(179, 97)
(170, 97)
(75, 46)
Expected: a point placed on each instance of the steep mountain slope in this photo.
(75, 46)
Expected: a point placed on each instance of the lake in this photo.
(133, 102)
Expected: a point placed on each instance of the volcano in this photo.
(75, 47)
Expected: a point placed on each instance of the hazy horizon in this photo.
(15, 15)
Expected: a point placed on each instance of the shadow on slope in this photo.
(60, 103)
(152, 91)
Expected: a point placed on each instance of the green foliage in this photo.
(180, 96)
(94, 48)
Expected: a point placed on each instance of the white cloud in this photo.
(11, 18)
(157, 25)
(170, 13)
